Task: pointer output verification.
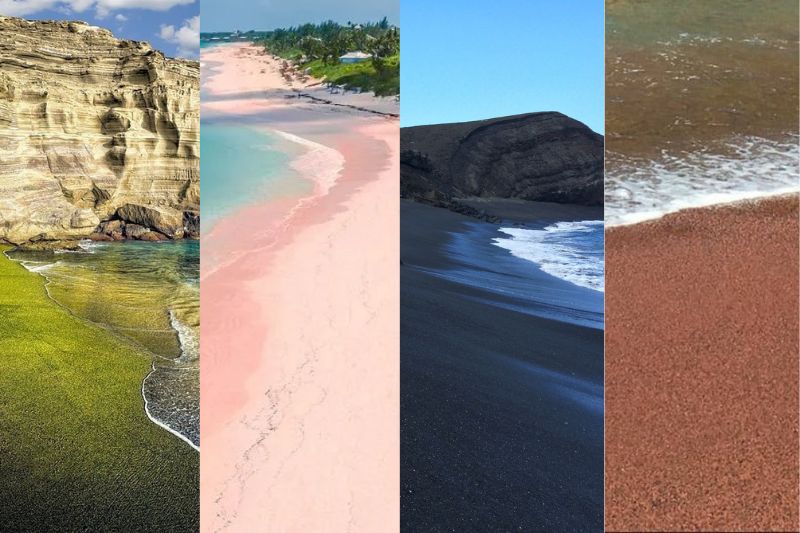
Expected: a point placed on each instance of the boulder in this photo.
(164, 220)
(84, 218)
(191, 223)
(135, 231)
(152, 236)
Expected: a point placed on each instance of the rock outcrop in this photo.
(545, 157)
(94, 130)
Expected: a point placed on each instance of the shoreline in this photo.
(736, 169)
(743, 200)
(257, 74)
(110, 330)
(159, 423)
(63, 361)
(260, 419)
(475, 357)
(701, 404)
(315, 158)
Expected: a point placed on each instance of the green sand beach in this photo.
(76, 446)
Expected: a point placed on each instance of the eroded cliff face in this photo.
(538, 156)
(98, 136)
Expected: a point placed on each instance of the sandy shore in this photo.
(502, 411)
(247, 72)
(702, 370)
(299, 361)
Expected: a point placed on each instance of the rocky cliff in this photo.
(545, 157)
(98, 136)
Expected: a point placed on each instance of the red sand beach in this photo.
(702, 370)
(300, 373)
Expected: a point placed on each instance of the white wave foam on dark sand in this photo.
(572, 251)
(749, 168)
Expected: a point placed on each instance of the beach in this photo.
(78, 447)
(300, 376)
(702, 266)
(502, 408)
(701, 359)
(250, 74)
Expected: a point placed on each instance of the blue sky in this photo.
(468, 59)
(243, 15)
(171, 26)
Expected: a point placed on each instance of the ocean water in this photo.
(750, 167)
(511, 263)
(243, 164)
(148, 294)
(701, 104)
(572, 251)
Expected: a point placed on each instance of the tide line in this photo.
(158, 422)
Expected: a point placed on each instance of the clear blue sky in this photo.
(470, 59)
(171, 26)
(243, 15)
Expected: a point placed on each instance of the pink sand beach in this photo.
(300, 326)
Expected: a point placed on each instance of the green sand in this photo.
(77, 452)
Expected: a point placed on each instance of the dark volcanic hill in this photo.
(545, 157)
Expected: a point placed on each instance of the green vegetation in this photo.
(77, 452)
(318, 47)
(362, 75)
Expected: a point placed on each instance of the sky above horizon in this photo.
(244, 15)
(463, 61)
(172, 26)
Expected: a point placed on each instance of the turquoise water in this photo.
(147, 293)
(242, 165)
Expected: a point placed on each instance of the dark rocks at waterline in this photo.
(191, 224)
(545, 157)
(148, 223)
(161, 219)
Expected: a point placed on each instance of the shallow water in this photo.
(147, 293)
(701, 103)
(518, 283)
(243, 165)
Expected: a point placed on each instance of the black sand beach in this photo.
(501, 411)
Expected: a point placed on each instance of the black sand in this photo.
(489, 440)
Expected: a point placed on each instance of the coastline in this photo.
(58, 384)
(502, 408)
(712, 395)
(55, 288)
(244, 71)
(280, 417)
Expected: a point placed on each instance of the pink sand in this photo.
(242, 68)
(300, 345)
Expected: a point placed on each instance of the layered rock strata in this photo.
(546, 157)
(98, 136)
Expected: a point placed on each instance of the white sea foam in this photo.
(572, 251)
(158, 422)
(190, 347)
(319, 162)
(85, 246)
(751, 167)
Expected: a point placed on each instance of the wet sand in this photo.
(501, 411)
(300, 376)
(701, 369)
